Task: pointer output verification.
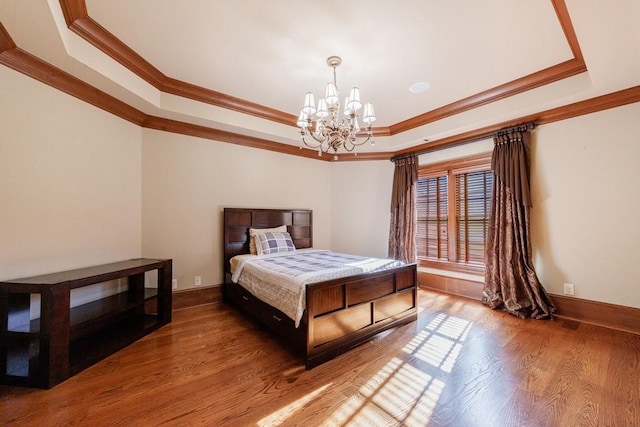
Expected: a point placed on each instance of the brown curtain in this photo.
(402, 237)
(511, 282)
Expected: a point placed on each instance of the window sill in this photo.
(453, 266)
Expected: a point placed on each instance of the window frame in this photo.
(450, 168)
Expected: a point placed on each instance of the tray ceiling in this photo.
(486, 62)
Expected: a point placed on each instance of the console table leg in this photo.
(164, 292)
(4, 330)
(54, 335)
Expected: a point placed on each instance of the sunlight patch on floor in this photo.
(397, 393)
(402, 392)
(440, 343)
(281, 415)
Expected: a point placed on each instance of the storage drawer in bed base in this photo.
(267, 315)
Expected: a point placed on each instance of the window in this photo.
(454, 204)
(433, 208)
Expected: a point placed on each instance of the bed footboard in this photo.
(340, 314)
(345, 312)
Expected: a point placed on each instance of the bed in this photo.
(339, 313)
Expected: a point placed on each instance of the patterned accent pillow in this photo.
(271, 243)
(254, 231)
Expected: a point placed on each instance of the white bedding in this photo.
(280, 279)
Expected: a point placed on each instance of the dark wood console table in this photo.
(63, 340)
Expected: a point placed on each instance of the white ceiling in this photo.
(272, 52)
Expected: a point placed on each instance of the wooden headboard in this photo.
(238, 221)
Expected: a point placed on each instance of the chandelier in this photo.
(323, 123)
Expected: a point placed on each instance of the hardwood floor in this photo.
(460, 364)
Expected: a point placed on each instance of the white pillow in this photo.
(252, 234)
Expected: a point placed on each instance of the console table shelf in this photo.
(64, 340)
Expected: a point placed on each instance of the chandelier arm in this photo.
(320, 142)
(352, 145)
(307, 144)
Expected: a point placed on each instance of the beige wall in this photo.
(70, 184)
(81, 187)
(187, 182)
(586, 199)
(361, 197)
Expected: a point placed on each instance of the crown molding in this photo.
(179, 127)
(567, 26)
(25, 63)
(79, 21)
(176, 126)
(29, 65)
(604, 102)
(569, 68)
(6, 42)
(21, 61)
(532, 81)
(197, 93)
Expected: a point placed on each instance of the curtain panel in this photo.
(511, 282)
(402, 228)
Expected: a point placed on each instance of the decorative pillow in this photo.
(254, 231)
(271, 243)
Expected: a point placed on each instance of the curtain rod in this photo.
(523, 127)
(403, 156)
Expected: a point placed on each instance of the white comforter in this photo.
(280, 279)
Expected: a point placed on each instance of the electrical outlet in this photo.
(198, 281)
(174, 283)
(569, 289)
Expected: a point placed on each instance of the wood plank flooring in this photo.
(460, 364)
